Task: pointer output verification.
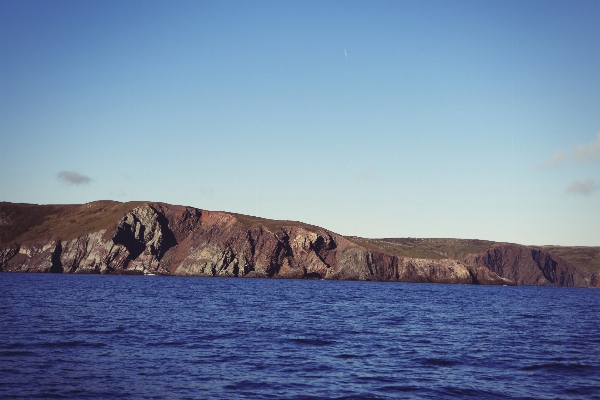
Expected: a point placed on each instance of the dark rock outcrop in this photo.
(529, 266)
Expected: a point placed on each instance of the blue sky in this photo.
(379, 119)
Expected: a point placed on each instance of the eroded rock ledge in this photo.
(157, 238)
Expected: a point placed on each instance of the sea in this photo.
(157, 337)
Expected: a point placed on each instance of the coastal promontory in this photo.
(108, 237)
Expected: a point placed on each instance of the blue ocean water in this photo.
(99, 336)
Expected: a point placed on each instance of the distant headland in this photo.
(108, 237)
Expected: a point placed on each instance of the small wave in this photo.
(166, 344)
(16, 353)
(199, 341)
(397, 319)
(16, 345)
(529, 316)
(400, 388)
(557, 367)
(119, 329)
(439, 362)
(472, 393)
(583, 391)
(228, 358)
(72, 343)
(322, 367)
(51, 396)
(313, 342)
(346, 356)
(245, 385)
(377, 378)
(422, 341)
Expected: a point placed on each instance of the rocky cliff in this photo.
(157, 238)
(530, 266)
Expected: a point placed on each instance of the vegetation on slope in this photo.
(583, 257)
(396, 249)
(447, 248)
(30, 222)
(271, 224)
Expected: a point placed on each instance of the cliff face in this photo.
(529, 266)
(174, 240)
(157, 238)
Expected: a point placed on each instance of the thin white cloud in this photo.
(558, 158)
(589, 151)
(585, 187)
(73, 178)
(582, 153)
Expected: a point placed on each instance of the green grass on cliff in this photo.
(584, 257)
(447, 248)
(426, 248)
(396, 249)
(271, 224)
(31, 222)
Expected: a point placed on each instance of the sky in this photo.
(461, 119)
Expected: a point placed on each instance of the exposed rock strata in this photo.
(175, 240)
(527, 266)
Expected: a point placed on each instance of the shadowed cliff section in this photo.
(158, 238)
(530, 266)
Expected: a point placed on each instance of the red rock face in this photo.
(527, 266)
(159, 238)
